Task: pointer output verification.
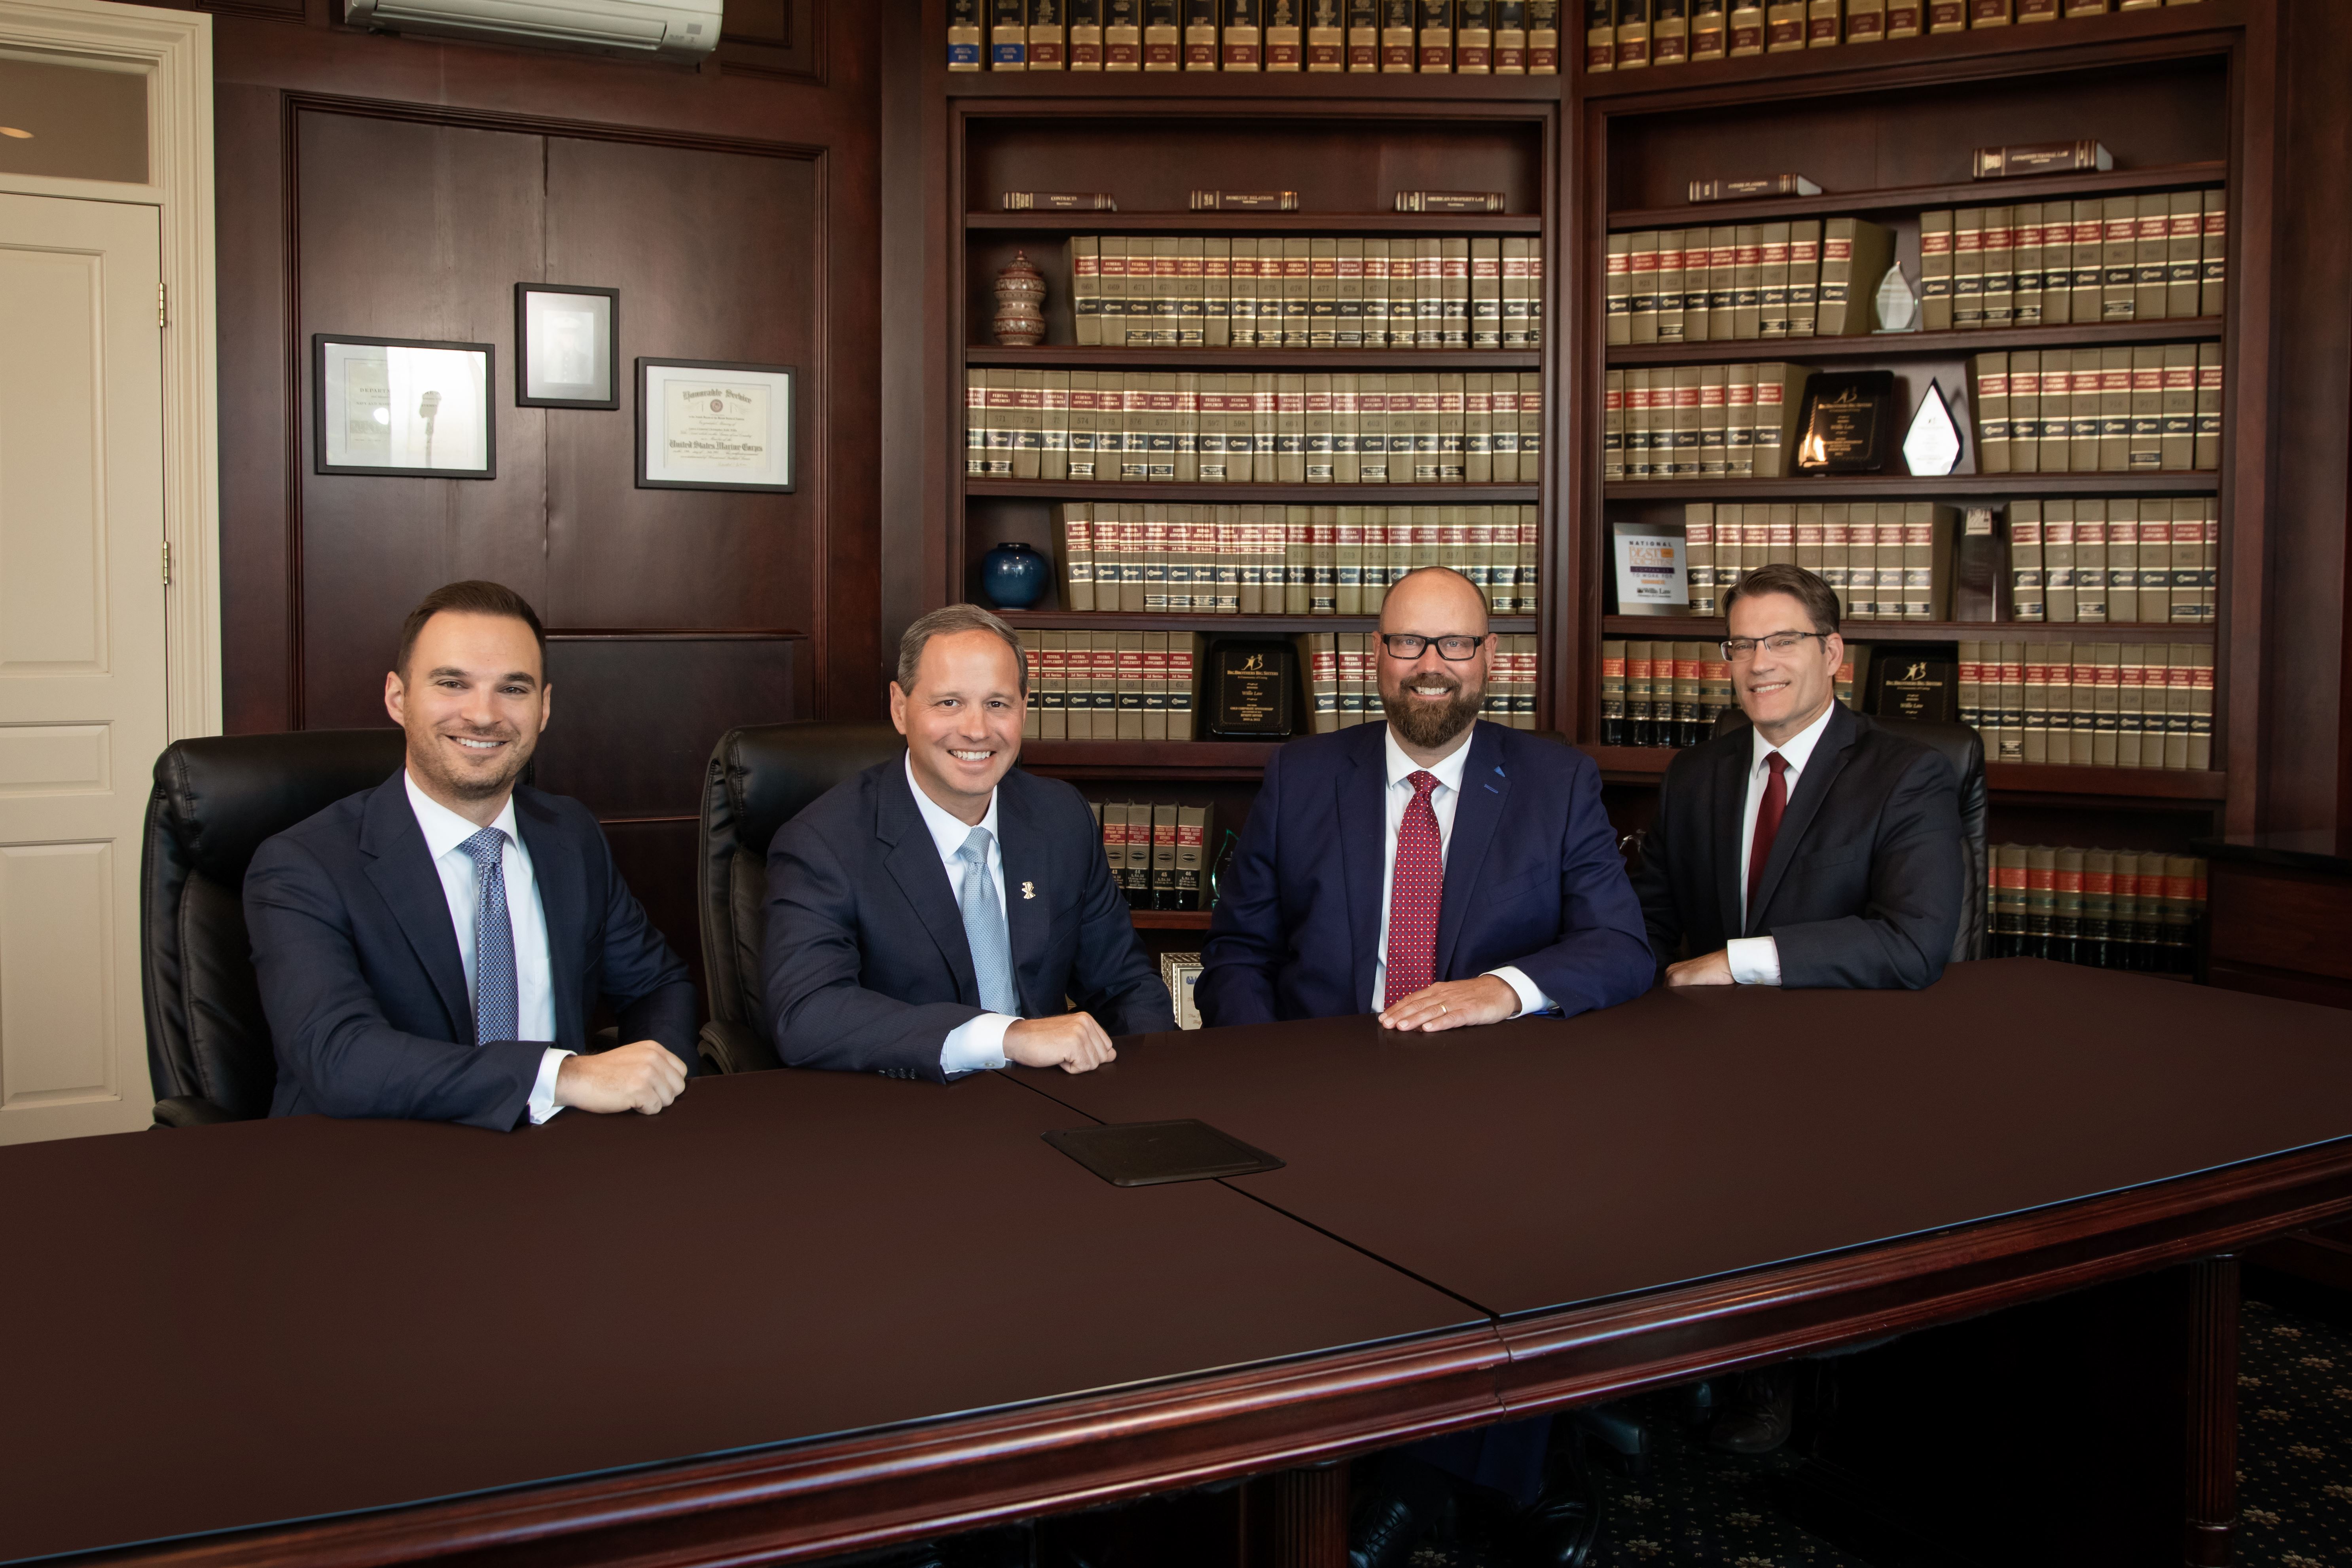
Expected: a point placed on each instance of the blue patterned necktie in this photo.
(983, 928)
(495, 1007)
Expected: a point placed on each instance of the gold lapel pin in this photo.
(1028, 890)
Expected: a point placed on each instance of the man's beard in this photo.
(482, 788)
(1429, 725)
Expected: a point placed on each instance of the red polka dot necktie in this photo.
(1414, 895)
(1769, 812)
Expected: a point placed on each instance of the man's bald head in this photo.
(1445, 599)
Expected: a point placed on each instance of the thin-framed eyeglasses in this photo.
(1739, 650)
(1411, 645)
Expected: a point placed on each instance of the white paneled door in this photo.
(81, 655)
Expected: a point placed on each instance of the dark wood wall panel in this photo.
(717, 256)
(635, 717)
(412, 230)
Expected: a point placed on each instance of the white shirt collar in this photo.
(444, 829)
(1448, 768)
(1798, 749)
(947, 831)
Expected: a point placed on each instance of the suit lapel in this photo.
(401, 868)
(563, 886)
(1486, 791)
(1728, 821)
(1821, 770)
(914, 864)
(1363, 833)
(1026, 914)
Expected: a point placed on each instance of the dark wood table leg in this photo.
(2212, 1412)
(1300, 1518)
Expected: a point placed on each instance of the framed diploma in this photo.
(567, 346)
(402, 405)
(704, 424)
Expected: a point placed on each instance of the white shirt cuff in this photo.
(1754, 960)
(543, 1092)
(976, 1046)
(1532, 997)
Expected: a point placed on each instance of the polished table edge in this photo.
(873, 1488)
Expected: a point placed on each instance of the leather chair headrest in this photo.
(221, 796)
(775, 770)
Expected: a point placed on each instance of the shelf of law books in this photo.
(1974, 375)
(1273, 367)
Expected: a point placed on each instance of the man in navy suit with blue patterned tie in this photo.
(939, 913)
(434, 947)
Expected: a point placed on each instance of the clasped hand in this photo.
(1073, 1042)
(644, 1077)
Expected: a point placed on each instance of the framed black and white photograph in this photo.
(567, 346)
(403, 406)
(707, 425)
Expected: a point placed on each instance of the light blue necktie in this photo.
(983, 928)
(494, 1009)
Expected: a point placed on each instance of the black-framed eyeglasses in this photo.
(1411, 645)
(1739, 650)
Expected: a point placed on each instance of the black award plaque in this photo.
(1251, 690)
(1914, 688)
(1847, 423)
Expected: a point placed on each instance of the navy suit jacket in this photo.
(1865, 881)
(364, 986)
(867, 965)
(1532, 878)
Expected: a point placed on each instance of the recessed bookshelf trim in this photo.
(1356, 92)
(1291, 495)
(1648, 764)
(1252, 223)
(1906, 198)
(1918, 345)
(1700, 626)
(1866, 486)
(1239, 625)
(1214, 360)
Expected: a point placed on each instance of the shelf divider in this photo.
(1915, 345)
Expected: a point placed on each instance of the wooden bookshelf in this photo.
(1170, 920)
(1918, 345)
(1229, 625)
(1913, 198)
(1213, 493)
(1712, 627)
(1370, 224)
(1865, 486)
(1212, 360)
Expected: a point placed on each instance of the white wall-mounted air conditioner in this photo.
(681, 31)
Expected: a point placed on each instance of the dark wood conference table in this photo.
(801, 1313)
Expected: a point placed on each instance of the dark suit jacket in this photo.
(1863, 886)
(1532, 878)
(366, 993)
(867, 965)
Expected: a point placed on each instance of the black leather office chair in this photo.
(1963, 748)
(760, 777)
(208, 1048)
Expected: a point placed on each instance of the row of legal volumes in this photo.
(2108, 908)
(1628, 34)
(1468, 38)
(1209, 291)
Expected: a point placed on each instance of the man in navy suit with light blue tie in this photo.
(938, 914)
(434, 947)
(1442, 873)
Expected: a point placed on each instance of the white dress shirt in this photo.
(1755, 960)
(976, 1044)
(445, 832)
(1442, 802)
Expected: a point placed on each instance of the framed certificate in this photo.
(567, 346)
(705, 424)
(402, 405)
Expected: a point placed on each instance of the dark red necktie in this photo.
(1414, 894)
(1768, 824)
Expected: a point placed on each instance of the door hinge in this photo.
(163, 300)
(167, 563)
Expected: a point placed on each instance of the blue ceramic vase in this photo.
(1013, 576)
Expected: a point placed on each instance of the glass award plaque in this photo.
(1918, 688)
(1933, 443)
(1843, 429)
(1250, 694)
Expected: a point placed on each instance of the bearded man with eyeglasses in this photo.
(1810, 847)
(1443, 873)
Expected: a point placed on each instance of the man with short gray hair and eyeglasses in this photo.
(1810, 848)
